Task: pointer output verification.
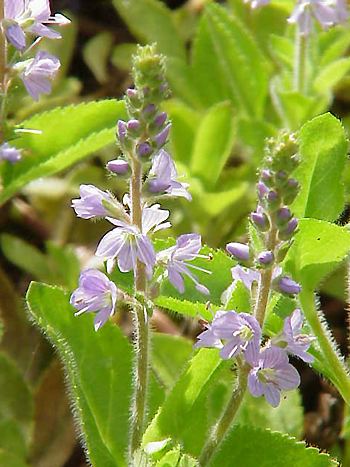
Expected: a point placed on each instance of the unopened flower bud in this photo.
(273, 199)
(160, 119)
(131, 93)
(161, 138)
(262, 189)
(144, 149)
(149, 110)
(121, 130)
(118, 166)
(290, 191)
(133, 126)
(266, 177)
(266, 258)
(239, 250)
(283, 215)
(260, 220)
(290, 229)
(287, 286)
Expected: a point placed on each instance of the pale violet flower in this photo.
(238, 333)
(176, 260)
(9, 153)
(38, 72)
(292, 340)
(163, 177)
(324, 11)
(126, 243)
(29, 16)
(92, 202)
(96, 294)
(271, 374)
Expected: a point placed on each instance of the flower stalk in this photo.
(300, 61)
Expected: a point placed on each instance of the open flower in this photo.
(127, 244)
(239, 333)
(163, 177)
(91, 202)
(22, 16)
(292, 340)
(9, 153)
(38, 72)
(271, 374)
(176, 260)
(97, 294)
(322, 11)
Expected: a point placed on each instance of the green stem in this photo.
(141, 321)
(225, 422)
(3, 60)
(332, 357)
(300, 52)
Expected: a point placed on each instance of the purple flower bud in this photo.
(286, 285)
(266, 176)
(9, 153)
(121, 130)
(260, 220)
(272, 196)
(284, 214)
(149, 110)
(161, 138)
(144, 149)
(118, 166)
(133, 126)
(131, 93)
(160, 119)
(262, 189)
(292, 225)
(239, 250)
(282, 175)
(266, 257)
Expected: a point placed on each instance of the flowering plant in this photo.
(214, 211)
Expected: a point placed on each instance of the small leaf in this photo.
(310, 257)
(96, 55)
(323, 149)
(270, 448)
(330, 76)
(98, 366)
(213, 143)
(69, 134)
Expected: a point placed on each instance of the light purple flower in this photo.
(257, 3)
(246, 275)
(321, 10)
(9, 153)
(271, 374)
(118, 166)
(91, 202)
(97, 294)
(127, 244)
(239, 333)
(30, 16)
(176, 260)
(341, 11)
(292, 340)
(287, 285)
(38, 73)
(163, 177)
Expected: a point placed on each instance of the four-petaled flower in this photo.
(326, 15)
(97, 294)
(163, 177)
(38, 72)
(292, 340)
(30, 16)
(239, 333)
(176, 259)
(92, 202)
(271, 374)
(127, 244)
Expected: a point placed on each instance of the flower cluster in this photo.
(149, 167)
(273, 220)
(239, 334)
(326, 12)
(24, 20)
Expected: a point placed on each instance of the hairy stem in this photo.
(300, 61)
(225, 422)
(141, 321)
(332, 357)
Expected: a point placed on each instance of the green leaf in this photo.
(69, 134)
(96, 55)
(323, 150)
(98, 366)
(317, 249)
(178, 408)
(16, 404)
(151, 21)
(330, 76)
(122, 55)
(269, 448)
(9, 459)
(288, 417)
(242, 65)
(169, 356)
(213, 143)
